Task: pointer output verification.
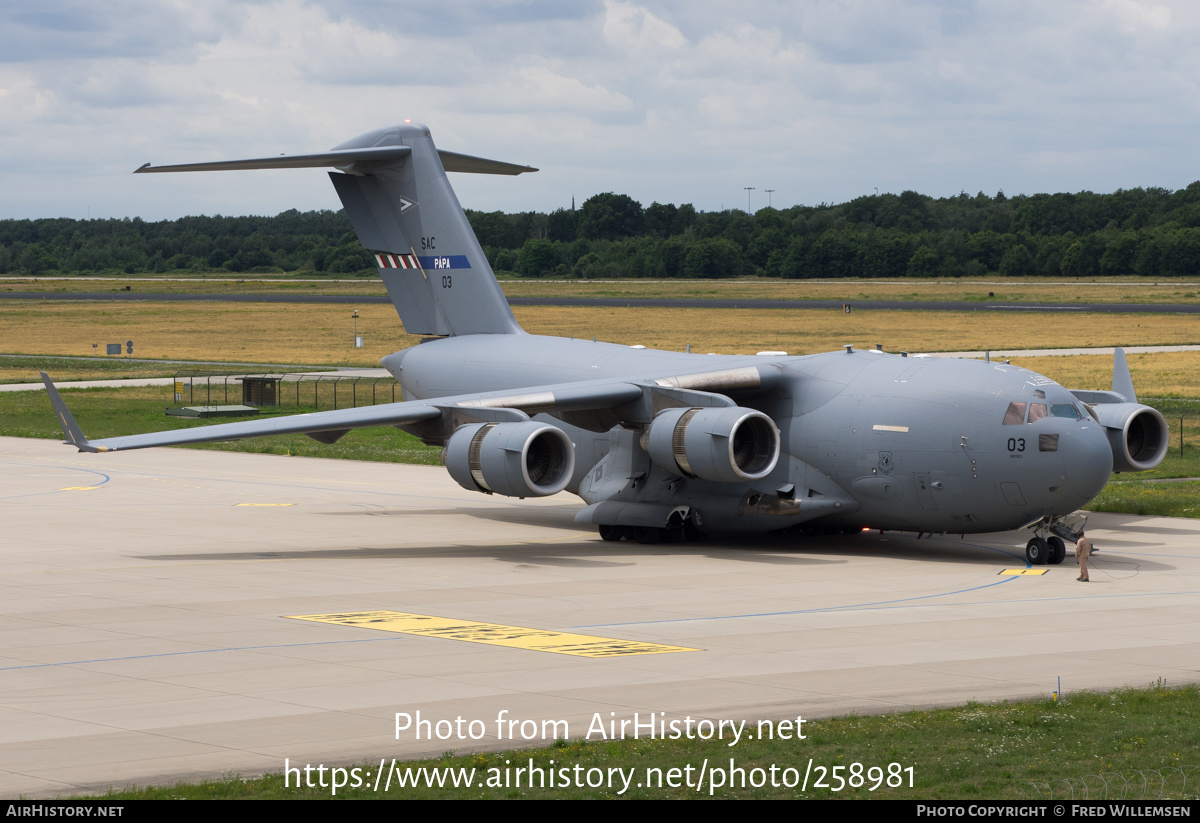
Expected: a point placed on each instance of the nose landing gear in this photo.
(1049, 550)
(1047, 546)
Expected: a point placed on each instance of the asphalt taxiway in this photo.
(149, 599)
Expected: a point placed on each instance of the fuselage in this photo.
(882, 440)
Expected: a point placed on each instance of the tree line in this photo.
(1150, 232)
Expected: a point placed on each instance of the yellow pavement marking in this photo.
(494, 634)
(1024, 571)
(78, 488)
(264, 505)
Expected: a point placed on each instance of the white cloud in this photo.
(635, 28)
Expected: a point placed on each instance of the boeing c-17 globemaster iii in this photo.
(665, 445)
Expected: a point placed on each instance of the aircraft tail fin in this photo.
(71, 430)
(392, 183)
(1122, 380)
(406, 214)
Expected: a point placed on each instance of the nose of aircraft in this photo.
(1087, 463)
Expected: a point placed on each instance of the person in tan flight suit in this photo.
(1083, 550)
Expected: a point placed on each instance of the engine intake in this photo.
(1138, 435)
(528, 459)
(726, 445)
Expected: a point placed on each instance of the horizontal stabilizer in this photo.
(376, 156)
(453, 161)
(342, 158)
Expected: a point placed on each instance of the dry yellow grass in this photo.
(1014, 290)
(241, 332)
(1161, 374)
(322, 334)
(728, 331)
(1017, 290)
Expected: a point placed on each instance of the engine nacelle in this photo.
(1138, 435)
(528, 459)
(727, 445)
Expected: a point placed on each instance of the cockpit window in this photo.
(1066, 410)
(1036, 412)
(1015, 415)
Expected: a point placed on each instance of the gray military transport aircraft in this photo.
(665, 445)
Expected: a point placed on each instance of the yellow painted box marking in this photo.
(494, 634)
(1024, 571)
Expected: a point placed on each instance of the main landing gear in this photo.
(648, 534)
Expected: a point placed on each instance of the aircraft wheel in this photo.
(1058, 551)
(670, 535)
(692, 533)
(611, 533)
(645, 534)
(1037, 551)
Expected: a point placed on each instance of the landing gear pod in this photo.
(727, 445)
(527, 459)
(1138, 435)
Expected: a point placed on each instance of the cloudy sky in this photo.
(820, 100)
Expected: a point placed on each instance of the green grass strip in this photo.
(1017, 750)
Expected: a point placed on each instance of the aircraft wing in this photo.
(594, 404)
(442, 414)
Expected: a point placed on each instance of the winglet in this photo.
(71, 430)
(1122, 380)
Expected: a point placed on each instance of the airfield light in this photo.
(748, 190)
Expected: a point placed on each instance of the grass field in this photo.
(115, 412)
(25, 369)
(1158, 374)
(1015, 290)
(1010, 751)
(323, 334)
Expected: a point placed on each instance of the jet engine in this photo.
(727, 445)
(528, 459)
(1138, 435)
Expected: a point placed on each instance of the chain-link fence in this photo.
(1183, 420)
(317, 391)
